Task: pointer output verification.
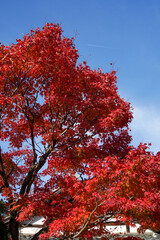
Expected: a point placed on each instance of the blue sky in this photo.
(123, 32)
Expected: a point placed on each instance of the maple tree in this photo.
(3, 229)
(69, 157)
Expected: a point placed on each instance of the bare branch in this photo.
(88, 220)
(36, 236)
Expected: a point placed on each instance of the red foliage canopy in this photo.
(69, 157)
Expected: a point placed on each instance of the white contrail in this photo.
(100, 46)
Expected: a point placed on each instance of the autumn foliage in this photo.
(68, 156)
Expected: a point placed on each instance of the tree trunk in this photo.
(127, 229)
(13, 229)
